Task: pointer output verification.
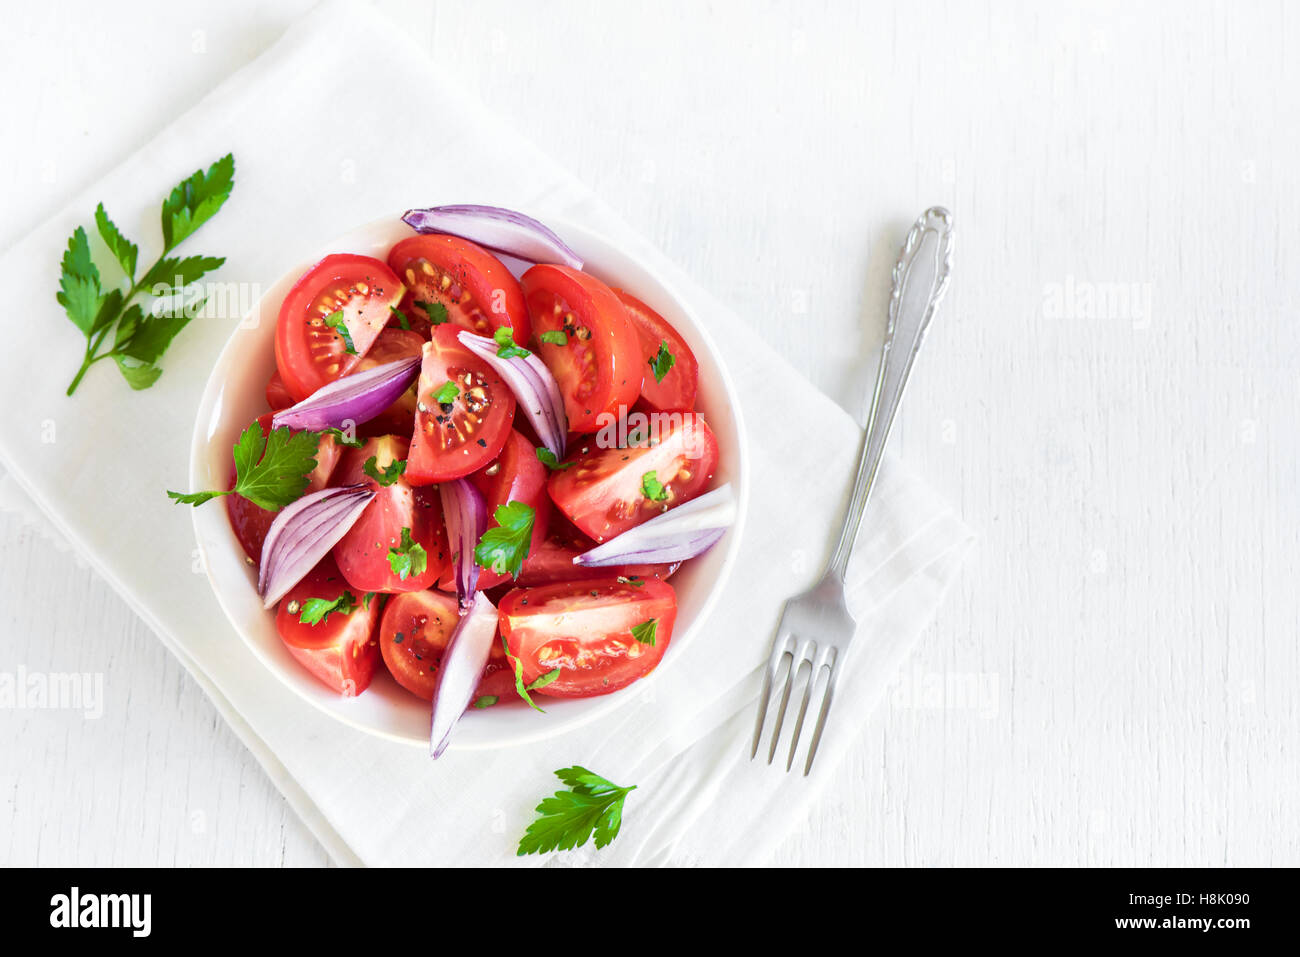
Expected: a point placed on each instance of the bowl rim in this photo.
(601, 705)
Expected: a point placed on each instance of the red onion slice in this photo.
(302, 534)
(465, 514)
(462, 664)
(684, 532)
(533, 385)
(355, 398)
(497, 229)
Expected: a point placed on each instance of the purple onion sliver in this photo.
(302, 533)
(497, 229)
(465, 514)
(534, 387)
(654, 551)
(355, 398)
(462, 664)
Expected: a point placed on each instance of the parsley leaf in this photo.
(568, 819)
(518, 667)
(391, 473)
(662, 362)
(645, 632)
(544, 680)
(436, 312)
(316, 610)
(123, 250)
(401, 317)
(270, 470)
(447, 394)
(652, 488)
(555, 337)
(409, 559)
(547, 458)
(504, 547)
(506, 348)
(344, 438)
(486, 701)
(335, 321)
(141, 336)
(196, 200)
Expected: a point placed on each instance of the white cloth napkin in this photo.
(95, 467)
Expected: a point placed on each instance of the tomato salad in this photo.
(480, 482)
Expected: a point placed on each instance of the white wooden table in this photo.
(1109, 395)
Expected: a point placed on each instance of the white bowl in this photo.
(234, 396)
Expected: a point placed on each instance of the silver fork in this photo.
(816, 627)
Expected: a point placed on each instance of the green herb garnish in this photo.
(568, 819)
(662, 362)
(270, 470)
(316, 610)
(645, 632)
(336, 322)
(555, 337)
(652, 488)
(506, 348)
(503, 548)
(547, 458)
(409, 559)
(390, 473)
(436, 312)
(447, 393)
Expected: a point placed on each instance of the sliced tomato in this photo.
(398, 418)
(585, 630)
(676, 391)
(341, 649)
(603, 492)
(413, 636)
(362, 554)
(551, 561)
(252, 522)
(308, 353)
(599, 368)
(478, 291)
(277, 395)
(456, 438)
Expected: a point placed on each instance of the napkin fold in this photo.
(91, 471)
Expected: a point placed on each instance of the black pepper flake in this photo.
(397, 638)
(483, 442)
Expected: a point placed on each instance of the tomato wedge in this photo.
(551, 561)
(308, 353)
(252, 522)
(398, 418)
(363, 553)
(604, 493)
(599, 368)
(341, 649)
(413, 636)
(677, 389)
(277, 395)
(585, 630)
(479, 292)
(453, 439)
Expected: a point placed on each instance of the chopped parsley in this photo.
(335, 321)
(662, 361)
(270, 470)
(547, 458)
(390, 474)
(506, 348)
(503, 548)
(436, 312)
(409, 559)
(544, 680)
(645, 632)
(402, 321)
(555, 337)
(652, 488)
(316, 610)
(518, 667)
(447, 394)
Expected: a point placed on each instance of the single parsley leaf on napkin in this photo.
(270, 470)
(141, 337)
(568, 819)
(503, 548)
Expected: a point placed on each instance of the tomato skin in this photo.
(309, 354)
(602, 492)
(398, 418)
(599, 369)
(362, 553)
(551, 561)
(584, 629)
(342, 650)
(456, 443)
(425, 620)
(677, 390)
(251, 522)
(482, 295)
(277, 394)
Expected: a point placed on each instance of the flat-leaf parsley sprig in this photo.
(568, 819)
(270, 470)
(139, 339)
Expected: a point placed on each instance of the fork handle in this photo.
(920, 280)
